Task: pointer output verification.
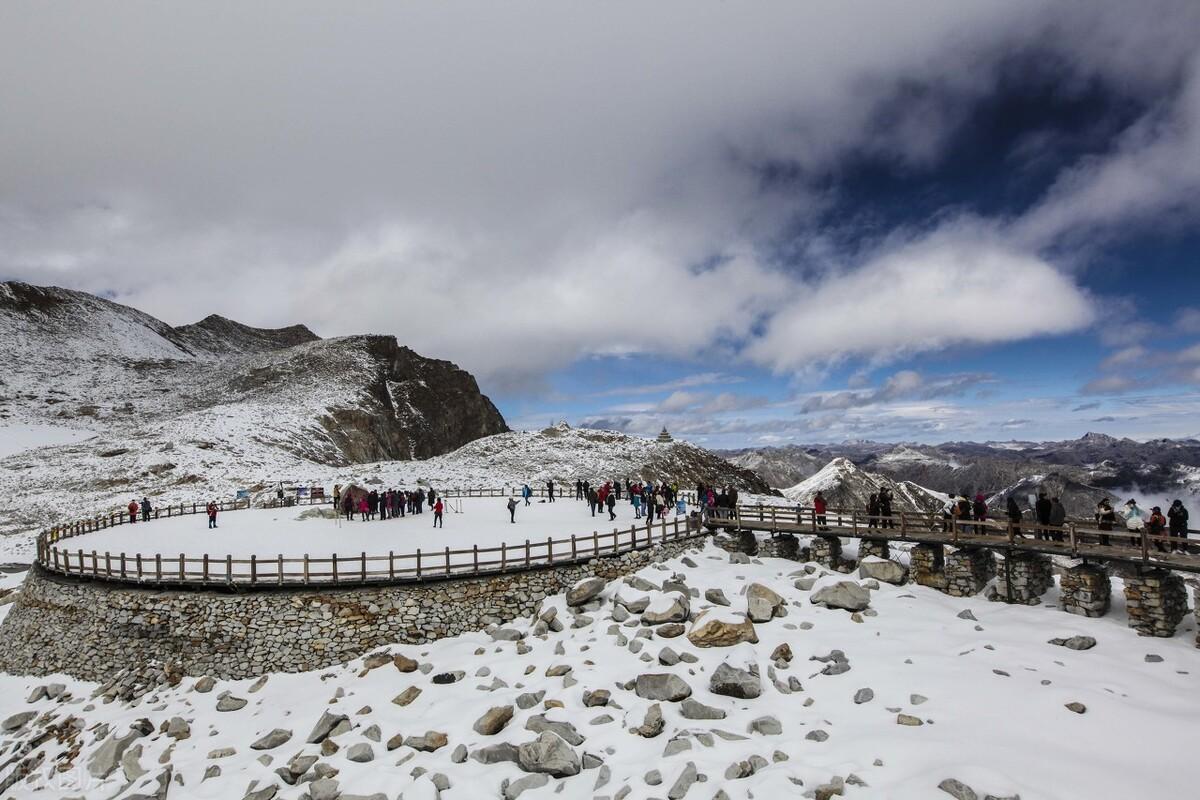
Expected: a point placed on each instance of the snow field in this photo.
(483, 521)
(994, 717)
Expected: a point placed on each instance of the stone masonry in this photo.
(737, 542)
(827, 550)
(93, 630)
(782, 546)
(927, 563)
(1156, 601)
(1085, 590)
(1024, 578)
(968, 569)
(874, 547)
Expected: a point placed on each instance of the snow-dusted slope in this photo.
(916, 696)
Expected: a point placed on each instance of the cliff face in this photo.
(412, 407)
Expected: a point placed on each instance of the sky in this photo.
(755, 224)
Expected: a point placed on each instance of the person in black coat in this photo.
(1041, 510)
(1013, 512)
(1177, 516)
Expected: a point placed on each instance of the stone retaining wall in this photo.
(1156, 601)
(1024, 578)
(93, 630)
(1085, 590)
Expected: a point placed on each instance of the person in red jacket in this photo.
(819, 511)
(212, 514)
(133, 509)
(437, 514)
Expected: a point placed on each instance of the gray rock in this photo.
(585, 590)
(864, 696)
(493, 720)
(653, 723)
(733, 682)
(767, 726)
(361, 753)
(1153, 658)
(204, 685)
(662, 686)
(762, 604)
(565, 730)
(227, 702)
(17, 721)
(325, 726)
(693, 709)
(843, 594)
(496, 753)
(817, 735)
(324, 789)
(178, 729)
(524, 783)
(684, 782)
(966, 613)
(107, 757)
(1075, 642)
(431, 741)
(548, 754)
(716, 597)
(1078, 708)
(958, 790)
(886, 570)
(668, 657)
(272, 740)
(599, 697)
(677, 611)
(528, 700)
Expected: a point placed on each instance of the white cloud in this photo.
(957, 286)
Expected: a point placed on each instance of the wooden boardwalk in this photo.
(1074, 540)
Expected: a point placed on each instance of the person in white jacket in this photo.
(1135, 521)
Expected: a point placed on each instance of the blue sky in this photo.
(754, 227)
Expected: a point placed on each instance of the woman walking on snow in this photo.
(437, 514)
(512, 510)
(133, 509)
(211, 510)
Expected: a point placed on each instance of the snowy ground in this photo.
(268, 532)
(994, 717)
(17, 437)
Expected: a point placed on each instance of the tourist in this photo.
(1058, 518)
(279, 495)
(819, 511)
(348, 507)
(979, 511)
(1135, 521)
(512, 510)
(1106, 518)
(337, 495)
(526, 493)
(617, 488)
(578, 490)
(873, 511)
(146, 509)
(211, 510)
(550, 491)
(1041, 511)
(1156, 528)
(636, 501)
(437, 512)
(383, 504)
(1178, 517)
(611, 502)
(1013, 511)
(364, 508)
(681, 507)
(885, 508)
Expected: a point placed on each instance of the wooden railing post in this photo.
(253, 568)
(549, 550)
(139, 567)
(279, 569)
(228, 568)
(526, 552)
(391, 565)
(335, 568)
(574, 548)
(364, 565)
(447, 560)
(475, 557)
(1071, 535)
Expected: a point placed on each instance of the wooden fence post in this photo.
(364, 566)
(228, 568)
(549, 550)
(418, 563)
(139, 567)
(335, 569)
(253, 568)
(279, 569)
(391, 565)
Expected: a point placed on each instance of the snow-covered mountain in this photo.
(845, 485)
(101, 403)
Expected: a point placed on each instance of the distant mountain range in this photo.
(1080, 471)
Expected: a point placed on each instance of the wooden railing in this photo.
(340, 569)
(1078, 539)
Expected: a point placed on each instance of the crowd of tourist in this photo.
(388, 504)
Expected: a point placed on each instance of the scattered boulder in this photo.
(716, 597)
(564, 730)
(325, 726)
(662, 686)
(864, 696)
(1075, 642)
(407, 696)
(516, 788)
(713, 629)
(17, 721)
(227, 702)
(1078, 708)
(274, 739)
(733, 682)
(694, 709)
(404, 663)
(762, 604)
(493, 720)
(843, 594)
(431, 741)
(653, 723)
(672, 607)
(548, 754)
(585, 590)
(958, 790)
(767, 726)
(361, 753)
(883, 569)
(496, 753)
(684, 782)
